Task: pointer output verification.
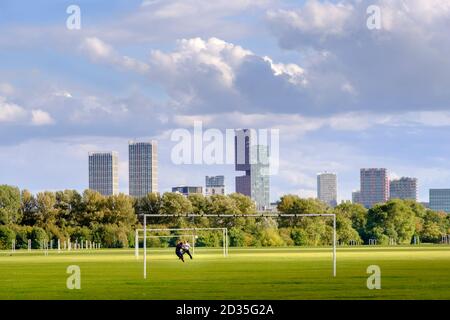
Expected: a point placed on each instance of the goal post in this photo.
(194, 230)
(262, 215)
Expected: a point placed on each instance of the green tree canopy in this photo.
(9, 205)
(394, 219)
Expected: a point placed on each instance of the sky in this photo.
(342, 95)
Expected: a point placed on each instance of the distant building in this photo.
(425, 204)
(143, 168)
(404, 188)
(356, 197)
(214, 185)
(254, 160)
(104, 172)
(274, 206)
(440, 200)
(187, 190)
(327, 188)
(374, 186)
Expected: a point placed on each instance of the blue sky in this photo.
(343, 96)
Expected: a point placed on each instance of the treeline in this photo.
(111, 220)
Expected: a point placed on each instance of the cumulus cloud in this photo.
(212, 74)
(10, 112)
(401, 67)
(41, 118)
(214, 58)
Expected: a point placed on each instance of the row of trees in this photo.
(111, 220)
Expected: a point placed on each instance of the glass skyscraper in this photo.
(104, 172)
(374, 186)
(327, 188)
(404, 188)
(254, 160)
(440, 200)
(143, 168)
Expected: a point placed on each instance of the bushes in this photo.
(6, 237)
(112, 236)
(270, 238)
(209, 239)
(38, 236)
(22, 235)
(237, 237)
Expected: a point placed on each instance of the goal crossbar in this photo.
(259, 215)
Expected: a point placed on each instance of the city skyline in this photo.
(405, 187)
(377, 186)
(228, 64)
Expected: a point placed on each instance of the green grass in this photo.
(284, 273)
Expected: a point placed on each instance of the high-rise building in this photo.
(214, 185)
(356, 197)
(404, 188)
(374, 186)
(327, 188)
(187, 190)
(143, 168)
(440, 200)
(254, 160)
(104, 172)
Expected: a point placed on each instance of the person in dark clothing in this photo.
(179, 250)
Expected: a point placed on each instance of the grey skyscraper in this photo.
(404, 188)
(440, 200)
(214, 185)
(104, 172)
(143, 168)
(327, 188)
(254, 160)
(356, 197)
(374, 186)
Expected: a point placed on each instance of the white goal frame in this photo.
(261, 215)
(224, 237)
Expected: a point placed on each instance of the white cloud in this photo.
(294, 73)
(198, 55)
(316, 17)
(41, 118)
(402, 67)
(99, 51)
(10, 112)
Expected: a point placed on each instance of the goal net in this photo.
(194, 235)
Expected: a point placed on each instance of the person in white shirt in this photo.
(187, 248)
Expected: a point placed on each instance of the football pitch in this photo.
(410, 272)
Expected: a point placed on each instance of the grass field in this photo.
(284, 273)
